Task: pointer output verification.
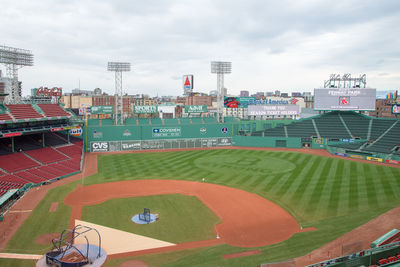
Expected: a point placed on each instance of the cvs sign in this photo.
(99, 146)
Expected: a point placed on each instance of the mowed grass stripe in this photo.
(306, 195)
(326, 188)
(353, 187)
(302, 185)
(391, 180)
(383, 190)
(296, 175)
(337, 192)
(370, 187)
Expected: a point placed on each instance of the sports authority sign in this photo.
(287, 110)
(344, 99)
(145, 109)
(196, 109)
(167, 132)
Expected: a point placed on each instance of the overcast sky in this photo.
(273, 45)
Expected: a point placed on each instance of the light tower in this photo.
(14, 59)
(118, 68)
(220, 68)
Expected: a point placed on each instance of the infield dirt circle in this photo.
(248, 220)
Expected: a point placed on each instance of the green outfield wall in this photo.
(133, 137)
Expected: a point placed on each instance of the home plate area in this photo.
(115, 241)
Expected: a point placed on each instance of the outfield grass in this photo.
(182, 218)
(331, 194)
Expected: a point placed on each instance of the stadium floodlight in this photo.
(220, 68)
(14, 59)
(118, 68)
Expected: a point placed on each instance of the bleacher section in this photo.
(38, 166)
(5, 186)
(5, 117)
(330, 126)
(351, 146)
(46, 155)
(356, 123)
(379, 126)
(30, 177)
(23, 111)
(387, 142)
(303, 128)
(16, 162)
(53, 110)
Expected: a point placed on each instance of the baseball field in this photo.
(329, 196)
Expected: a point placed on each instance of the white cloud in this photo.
(286, 45)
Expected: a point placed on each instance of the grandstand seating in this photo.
(53, 110)
(52, 139)
(30, 177)
(13, 179)
(5, 186)
(356, 123)
(23, 111)
(303, 128)
(16, 162)
(71, 150)
(330, 126)
(63, 168)
(28, 142)
(351, 146)
(5, 117)
(387, 142)
(46, 155)
(43, 173)
(379, 126)
(171, 121)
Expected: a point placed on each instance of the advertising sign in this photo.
(196, 109)
(238, 102)
(374, 159)
(344, 99)
(166, 132)
(130, 145)
(99, 146)
(187, 82)
(76, 132)
(102, 110)
(47, 92)
(396, 109)
(273, 110)
(145, 109)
